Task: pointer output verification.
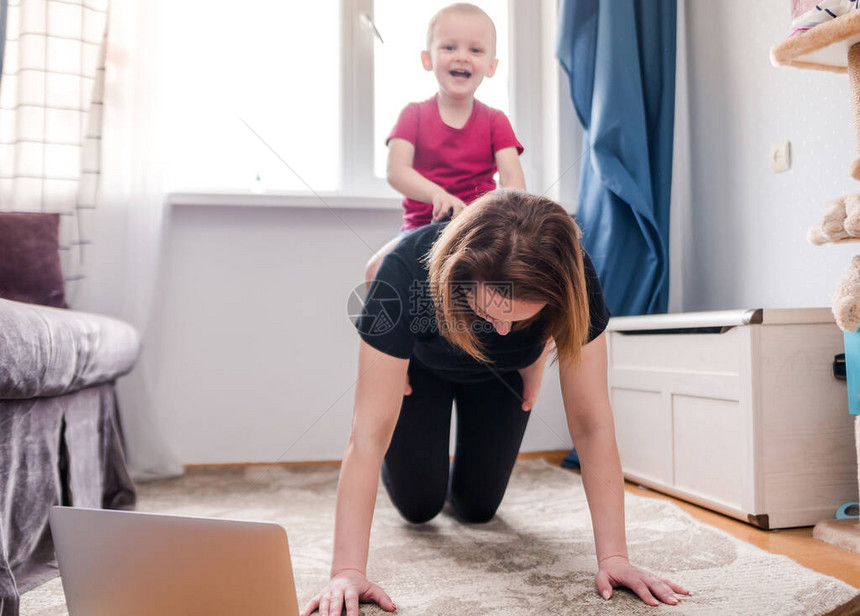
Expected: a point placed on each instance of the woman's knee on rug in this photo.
(419, 510)
(417, 501)
(472, 509)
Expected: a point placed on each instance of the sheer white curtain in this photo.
(130, 218)
(50, 119)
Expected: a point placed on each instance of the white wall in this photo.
(256, 355)
(749, 224)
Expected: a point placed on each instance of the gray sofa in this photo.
(60, 438)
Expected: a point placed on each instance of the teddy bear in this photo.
(841, 220)
(846, 298)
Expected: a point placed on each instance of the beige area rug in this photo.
(535, 557)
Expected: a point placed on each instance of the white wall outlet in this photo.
(780, 157)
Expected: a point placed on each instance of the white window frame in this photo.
(356, 164)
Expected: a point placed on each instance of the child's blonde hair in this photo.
(459, 7)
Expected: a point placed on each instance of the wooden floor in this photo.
(796, 543)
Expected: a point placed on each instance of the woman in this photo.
(469, 311)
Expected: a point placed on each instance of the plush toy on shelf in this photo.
(826, 36)
(846, 298)
(841, 221)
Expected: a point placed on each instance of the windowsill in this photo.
(280, 200)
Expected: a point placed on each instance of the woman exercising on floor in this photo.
(469, 311)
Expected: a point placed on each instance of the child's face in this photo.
(461, 54)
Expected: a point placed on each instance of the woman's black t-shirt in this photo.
(399, 318)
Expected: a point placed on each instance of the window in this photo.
(273, 65)
(298, 97)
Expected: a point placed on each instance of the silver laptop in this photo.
(135, 564)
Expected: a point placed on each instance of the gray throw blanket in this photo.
(60, 439)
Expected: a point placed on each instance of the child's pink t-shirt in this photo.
(460, 160)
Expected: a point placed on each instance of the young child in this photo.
(444, 152)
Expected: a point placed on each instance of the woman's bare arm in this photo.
(378, 397)
(585, 393)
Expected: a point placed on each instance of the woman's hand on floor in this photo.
(617, 571)
(347, 589)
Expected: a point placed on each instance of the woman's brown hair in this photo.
(526, 242)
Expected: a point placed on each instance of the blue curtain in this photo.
(620, 57)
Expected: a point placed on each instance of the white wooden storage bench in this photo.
(737, 411)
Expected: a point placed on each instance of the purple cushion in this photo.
(30, 259)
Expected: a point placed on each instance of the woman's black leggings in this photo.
(490, 428)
